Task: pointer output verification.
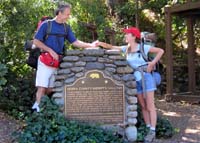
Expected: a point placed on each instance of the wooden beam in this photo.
(185, 7)
(193, 13)
(187, 98)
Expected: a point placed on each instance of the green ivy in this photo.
(50, 126)
(3, 72)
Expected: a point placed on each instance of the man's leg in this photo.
(40, 92)
(44, 80)
(49, 92)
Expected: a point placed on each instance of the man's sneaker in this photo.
(36, 107)
(150, 137)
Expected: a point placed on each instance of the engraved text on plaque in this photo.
(95, 98)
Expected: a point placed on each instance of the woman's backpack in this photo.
(150, 40)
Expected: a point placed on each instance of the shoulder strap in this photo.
(145, 57)
(49, 27)
(66, 27)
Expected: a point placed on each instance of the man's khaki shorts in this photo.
(45, 75)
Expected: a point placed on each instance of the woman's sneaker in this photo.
(36, 107)
(150, 137)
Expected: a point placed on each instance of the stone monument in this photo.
(97, 85)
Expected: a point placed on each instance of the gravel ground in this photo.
(7, 126)
(183, 116)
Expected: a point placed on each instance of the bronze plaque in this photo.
(95, 98)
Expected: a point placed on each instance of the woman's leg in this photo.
(145, 112)
(153, 116)
(151, 108)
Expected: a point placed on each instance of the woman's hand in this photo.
(107, 46)
(150, 67)
(104, 45)
(95, 43)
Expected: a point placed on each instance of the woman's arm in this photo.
(159, 52)
(108, 46)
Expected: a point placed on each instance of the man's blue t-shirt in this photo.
(55, 42)
(135, 59)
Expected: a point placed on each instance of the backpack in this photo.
(158, 67)
(149, 39)
(35, 52)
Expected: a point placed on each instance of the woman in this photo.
(145, 93)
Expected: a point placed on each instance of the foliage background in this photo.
(18, 21)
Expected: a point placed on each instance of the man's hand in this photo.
(53, 54)
(95, 43)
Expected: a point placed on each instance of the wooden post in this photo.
(191, 56)
(169, 52)
(137, 14)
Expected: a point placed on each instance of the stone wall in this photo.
(77, 62)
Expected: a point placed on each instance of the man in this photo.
(54, 46)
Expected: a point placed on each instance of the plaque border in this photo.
(104, 76)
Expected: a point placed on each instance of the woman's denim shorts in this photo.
(150, 83)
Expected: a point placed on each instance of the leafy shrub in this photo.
(50, 125)
(3, 72)
(17, 95)
(164, 128)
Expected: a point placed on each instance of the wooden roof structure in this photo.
(190, 11)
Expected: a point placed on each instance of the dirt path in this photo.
(183, 116)
(7, 126)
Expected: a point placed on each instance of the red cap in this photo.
(133, 30)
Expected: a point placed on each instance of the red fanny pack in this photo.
(48, 60)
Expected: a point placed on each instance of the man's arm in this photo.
(42, 46)
(82, 44)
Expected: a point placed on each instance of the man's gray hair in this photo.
(61, 7)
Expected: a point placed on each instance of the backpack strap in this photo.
(49, 28)
(145, 57)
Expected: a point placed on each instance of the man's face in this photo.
(64, 16)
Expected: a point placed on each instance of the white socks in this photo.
(152, 129)
(148, 125)
(36, 106)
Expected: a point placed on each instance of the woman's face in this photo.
(129, 38)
